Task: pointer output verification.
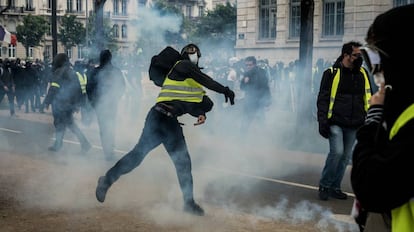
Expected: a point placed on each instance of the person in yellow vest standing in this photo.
(342, 104)
(85, 106)
(64, 96)
(181, 93)
(383, 158)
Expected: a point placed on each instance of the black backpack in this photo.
(162, 63)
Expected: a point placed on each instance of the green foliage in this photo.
(71, 32)
(218, 25)
(32, 30)
(108, 35)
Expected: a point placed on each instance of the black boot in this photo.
(193, 208)
(102, 188)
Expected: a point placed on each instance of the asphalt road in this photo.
(251, 176)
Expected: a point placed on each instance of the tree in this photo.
(99, 25)
(31, 32)
(219, 26)
(97, 43)
(71, 32)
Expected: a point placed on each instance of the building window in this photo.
(69, 53)
(267, 19)
(142, 3)
(116, 7)
(47, 53)
(402, 2)
(294, 24)
(124, 31)
(30, 50)
(29, 5)
(49, 4)
(124, 7)
(116, 31)
(200, 11)
(12, 51)
(80, 52)
(69, 6)
(188, 9)
(79, 5)
(333, 18)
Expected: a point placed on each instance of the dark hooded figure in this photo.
(64, 95)
(383, 159)
(105, 88)
(181, 93)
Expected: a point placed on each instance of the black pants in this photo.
(62, 119)
(10, 97)
(159, 128)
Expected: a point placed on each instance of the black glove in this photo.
(324, 130)
(229, 94)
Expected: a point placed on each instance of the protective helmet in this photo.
(105, 57)
(190, 49)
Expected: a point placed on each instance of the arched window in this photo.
(124, 31)
(116, 30)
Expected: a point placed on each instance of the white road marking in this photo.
(8, 130)
(239, 173)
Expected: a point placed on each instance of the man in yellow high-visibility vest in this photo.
(181, 93)
(342, 103)
(383, 158)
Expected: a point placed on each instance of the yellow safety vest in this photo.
(403, 216)
(334, 89)
(187, 90)
(83, 80)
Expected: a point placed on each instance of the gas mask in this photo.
(371, 56)
(357, 63)
(193, 58)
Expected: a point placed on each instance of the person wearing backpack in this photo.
(181, 93)
(64, 94)
(342, 104)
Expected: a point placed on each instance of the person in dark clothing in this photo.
(180, 94)
(31, 80)
(19, 82)
(105, 87)
(255, 85)
(7, 86)
(63, 94)
(383, 159)
(342, 104)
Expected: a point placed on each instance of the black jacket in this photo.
(382, 170)
(105, 85)
(257, 89)
(348, 110)
(183, 70)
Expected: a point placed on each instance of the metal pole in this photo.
(54, 29)
(86, 24)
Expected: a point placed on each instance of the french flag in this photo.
(7, 37)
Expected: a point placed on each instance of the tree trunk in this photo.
(304, 113)
(99, 25)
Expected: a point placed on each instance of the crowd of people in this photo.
(24, 83)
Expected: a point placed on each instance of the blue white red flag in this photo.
(6, 36)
